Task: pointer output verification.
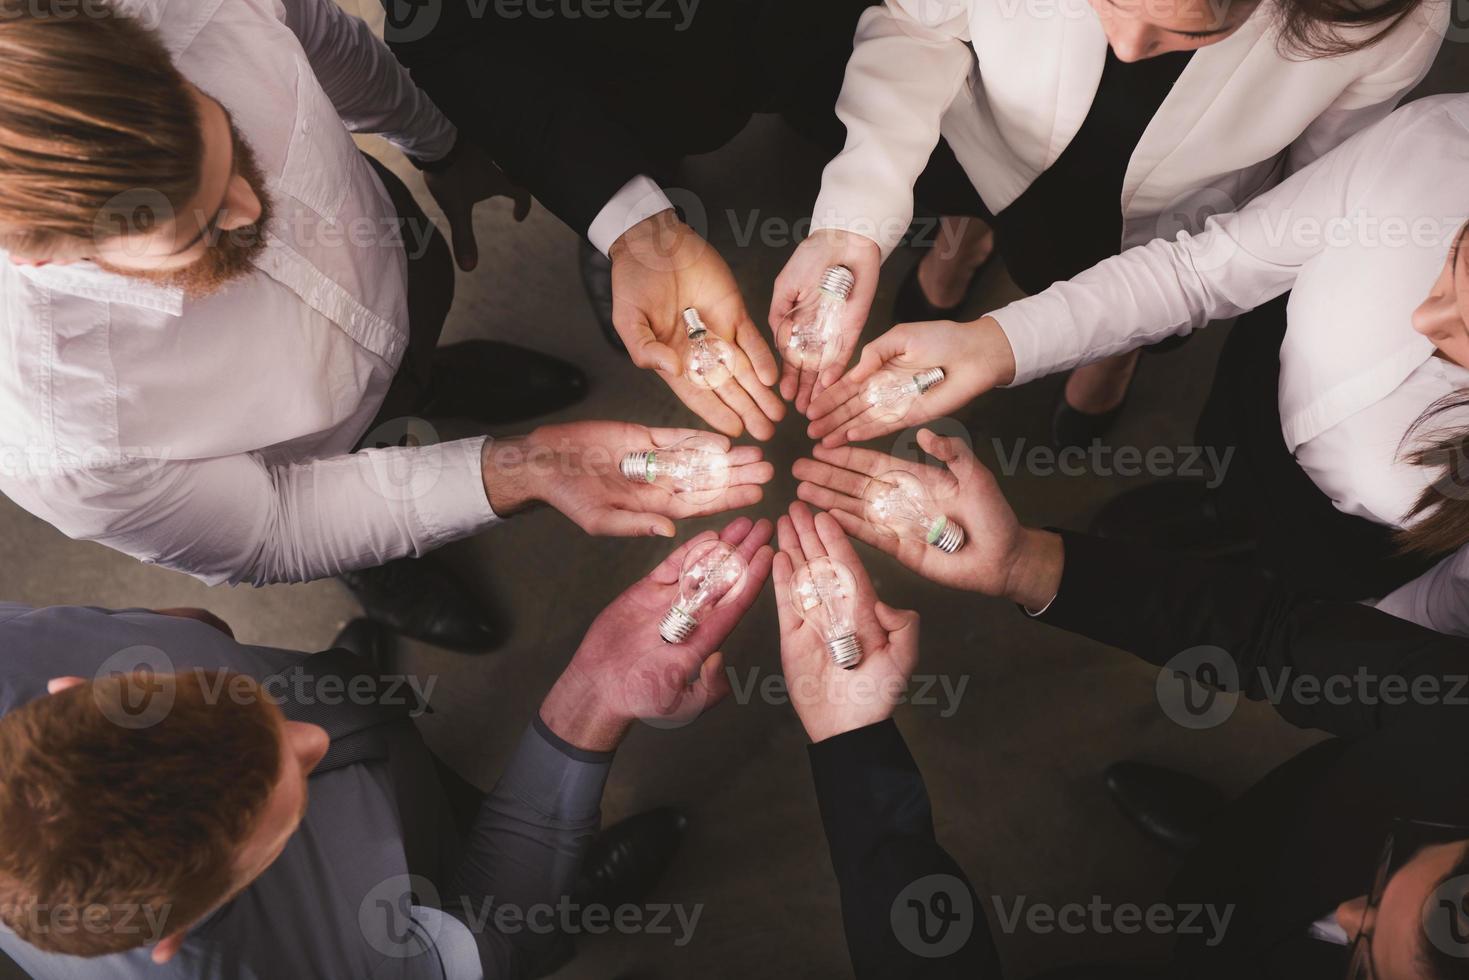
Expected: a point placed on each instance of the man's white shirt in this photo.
(212, 435)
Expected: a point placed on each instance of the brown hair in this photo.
(97, 127)
(1317, 28)
(1444, 505)
(113, 835)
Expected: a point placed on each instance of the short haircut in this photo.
(96, 127)
(105, 828)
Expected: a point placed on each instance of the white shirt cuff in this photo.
(453, 504)
(639, 199)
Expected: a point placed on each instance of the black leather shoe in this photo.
(496, 383)
(596, 279)
(419, 599)
(372, 641)
(1071, 427)
(1173, 515)
(1170, 807)
(913, 306)
(626, 860)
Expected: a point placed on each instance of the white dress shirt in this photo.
(212, 435)
(1358, 238)
(1009, 82)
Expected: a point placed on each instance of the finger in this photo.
(835, 423)
(953, 453)
(752, 342)
(890, 345)
(735, 498)
(790, 381)
(826, 499)
(705, 404)
(662, 438)
(631, 524)
(843, 481)
(897, 622)
(804, 388)
(745, 455)
(862, 430)
(736, 531)
(805, 526)
(766, 401)
(461, 231)
(755, 474)
(835, 396)
(712, 686)
(643, 346)
(757, 537)
(858, 460)
(738, 400)
(789, 540)
(856, 527)
(669, 568)
(782, 569)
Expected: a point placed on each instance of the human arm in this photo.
(893, 874)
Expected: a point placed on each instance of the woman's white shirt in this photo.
(1358, 238)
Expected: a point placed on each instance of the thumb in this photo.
(953, 453)
(461, 231)
(890, 345)
(612, 523)
(712, 686)
(645, 349)
(522, 200)
(895, 621)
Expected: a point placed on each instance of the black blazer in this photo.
(1297, 844)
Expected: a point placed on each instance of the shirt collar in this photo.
(89, 281)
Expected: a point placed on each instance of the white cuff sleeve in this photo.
(639, 199)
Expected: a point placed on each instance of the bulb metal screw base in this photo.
(677, 626)
(846, 651)
(949, 539)
(928, 379)
(638, 467)
(694, 323)
(838, 280)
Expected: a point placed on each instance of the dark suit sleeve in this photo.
(549, 133)
(1341, 667)
(908, 909)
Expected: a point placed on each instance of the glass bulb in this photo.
(809, 333)
(824, 594)
(897, 503)
(697, 467)
(891, 392)
(710, 359)
(711, 574)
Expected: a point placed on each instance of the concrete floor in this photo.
(1014, 772)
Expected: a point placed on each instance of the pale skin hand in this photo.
(471, 177)
(623, 670)
(661, 267)
(829, 700)
(1000, 556)
(975, 357)
(574, 468)
(801, 275)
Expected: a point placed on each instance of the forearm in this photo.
(1336, 666)
(521, 861)
(879, 829)
(902, 76)
(234, 519)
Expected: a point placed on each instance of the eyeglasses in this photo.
(1405, 840)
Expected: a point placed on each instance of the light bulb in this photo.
(824, 594)
(711, 574)
(697, 466)
(808, 334)
(898, 503)
(891, 393)
(710, 359)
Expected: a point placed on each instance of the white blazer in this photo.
(1358, 238)
(1009, 82)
